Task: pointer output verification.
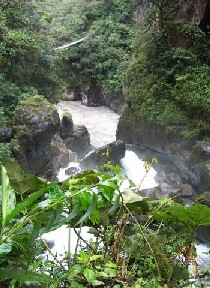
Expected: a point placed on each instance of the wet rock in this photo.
(35, 131)
(72, 170)
(187, 191)
(154, 192)
(77, 140)
(111, 152)
(94, 95)
(42, 149)
(66, 126)
(205, 147)
(60, 156)
(115, 101)
(74, 93)
(193, 164)
(185, 195)
(76, 137)
(203, 234)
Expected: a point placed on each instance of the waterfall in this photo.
(135, 169)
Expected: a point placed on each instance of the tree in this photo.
(104, 54)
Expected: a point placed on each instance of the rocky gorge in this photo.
(49, 140)
(191, 157)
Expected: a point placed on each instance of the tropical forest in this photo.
(105, 143)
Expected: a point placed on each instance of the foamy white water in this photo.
(62, 176)
(65, 240)
(101, 122)
(134, 168)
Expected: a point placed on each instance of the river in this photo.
(101, 123)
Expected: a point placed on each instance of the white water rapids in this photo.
(101, 123)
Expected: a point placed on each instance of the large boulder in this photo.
(37, 121)
(41, 149)
(60, 156)
(111, 152)
(76, 137)
(66, 126)
(191, 157)
(79, 140)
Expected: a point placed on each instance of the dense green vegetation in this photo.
(138, 242)
(162, 67)
(164, 71)
(30, 30)
(168, 78)
(104, 55)
(27, 63)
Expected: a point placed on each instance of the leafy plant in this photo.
(137, 241)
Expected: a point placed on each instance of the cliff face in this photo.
(190, 11)
(146, 97)
(193, 11)
(196, 12)
(191, 158)
(46, 143)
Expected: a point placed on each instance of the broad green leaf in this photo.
(95, 257)
(5, 248)
(76, 285)
(25, 204)
(96, 282)
(130, 197)
(89, 275)
(134, 201)
(87, 177)
(84, 199)
(83, 257)
(95, 216)
(108, 273)
(89, 210)
(111, 272)
(22, 275)
(8, 196)
(75, 270)
(107, 191)
(22, 180)
(192, 217)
